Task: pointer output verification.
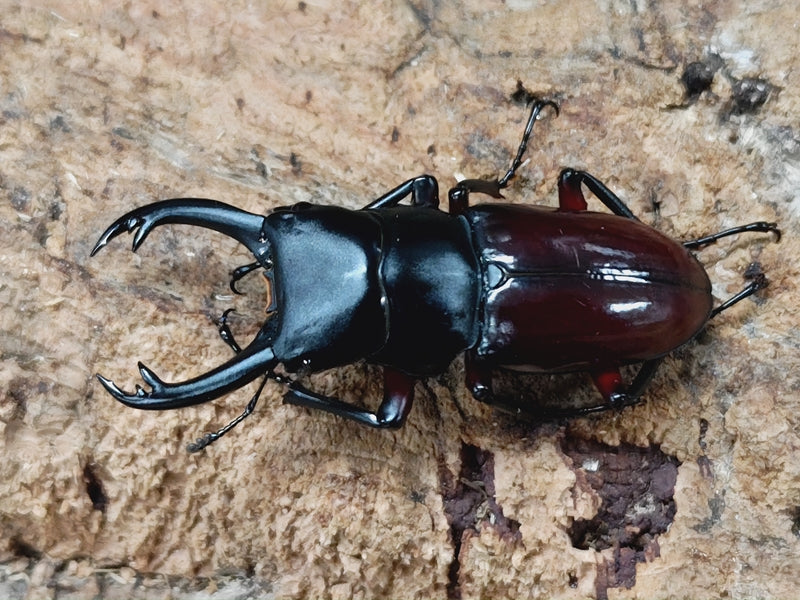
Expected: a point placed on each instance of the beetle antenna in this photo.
(210, 438)
(240, 272)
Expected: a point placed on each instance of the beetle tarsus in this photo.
(536, 108)
(757, 227)
(458, 196)
(759, 282)
(225, 332)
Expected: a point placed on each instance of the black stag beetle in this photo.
(409, 287)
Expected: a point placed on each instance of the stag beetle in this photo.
(409, 287)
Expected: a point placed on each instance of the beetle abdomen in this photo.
(567, 290)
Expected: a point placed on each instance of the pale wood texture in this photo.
(108, 106)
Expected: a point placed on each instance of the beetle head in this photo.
(254, 360)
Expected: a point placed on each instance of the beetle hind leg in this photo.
(758, 280)
(615, 392)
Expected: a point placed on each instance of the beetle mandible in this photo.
(548, 289)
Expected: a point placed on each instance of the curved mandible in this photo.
(254, 360)
(245, 227)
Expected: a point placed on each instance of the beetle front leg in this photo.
(398, 395)
(458, 196)
(424, 192)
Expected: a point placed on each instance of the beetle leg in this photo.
(225, 331)
(424, 192)
(759, 283)
(478, 378)
(615, 392)
(759, 226)
(608, 381)
(570, 196)
(398, 395)
(458, 196)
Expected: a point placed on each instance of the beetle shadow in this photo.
(546, 398)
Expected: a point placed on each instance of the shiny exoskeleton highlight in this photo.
(409, 287)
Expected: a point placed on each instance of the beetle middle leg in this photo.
(225, 332)
(240, 272)
(570, 196)
(608, 381)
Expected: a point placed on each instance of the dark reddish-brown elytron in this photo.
(409, 287)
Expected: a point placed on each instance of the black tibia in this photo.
(458, 196)
(616, 396)
(398, 395)
(424, 192)
(759, 282)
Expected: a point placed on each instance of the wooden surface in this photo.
(108, 106)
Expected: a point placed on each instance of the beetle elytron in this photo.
(409, 287)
